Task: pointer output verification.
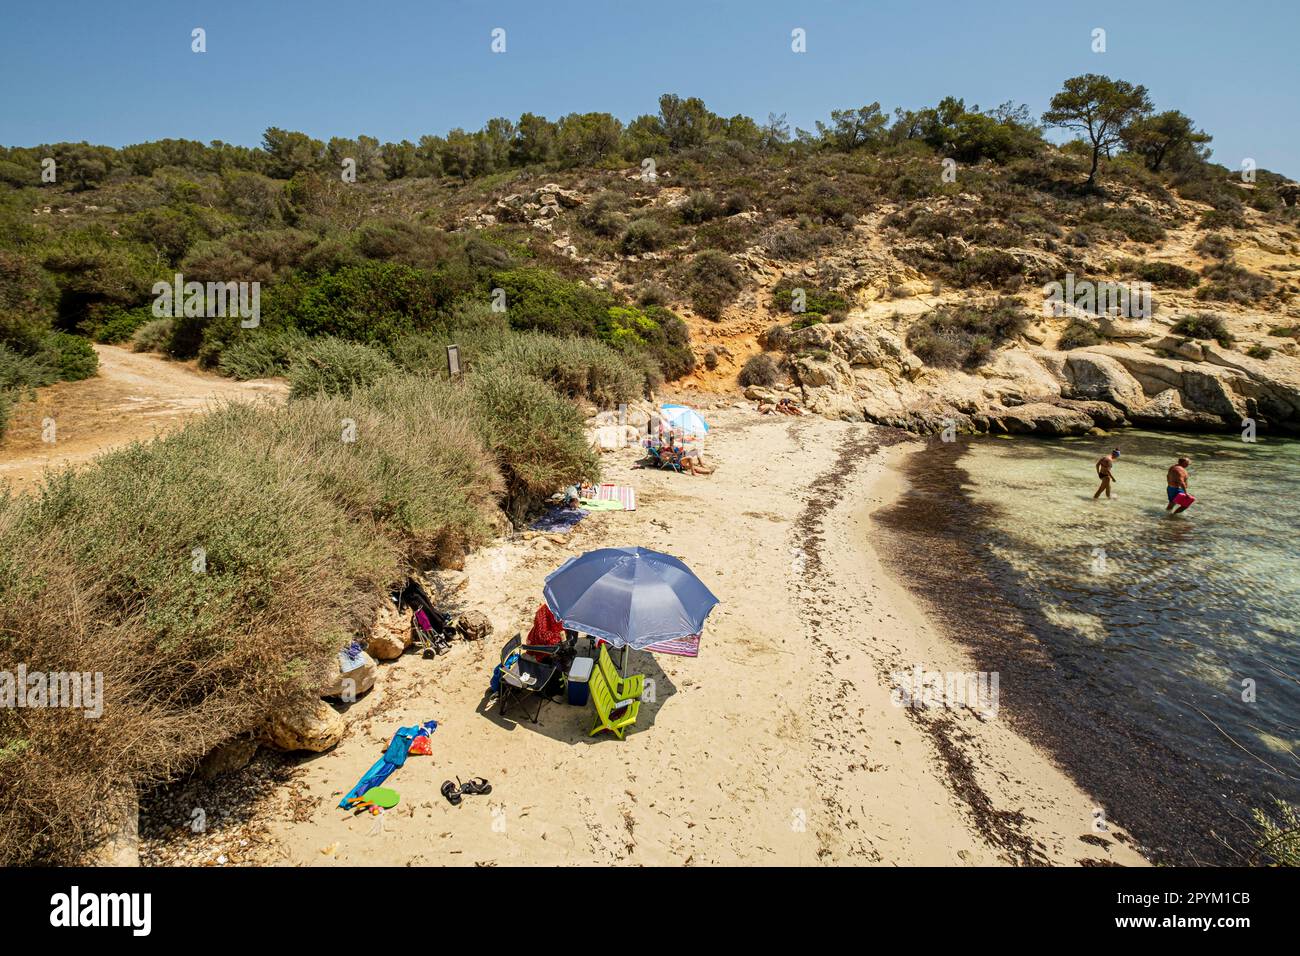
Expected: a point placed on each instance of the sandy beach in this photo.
(780, 744)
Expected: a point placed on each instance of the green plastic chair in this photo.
(612, 713)
(622, 687)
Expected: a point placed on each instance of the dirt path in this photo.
(135, 396)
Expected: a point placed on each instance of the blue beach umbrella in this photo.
(631, 597)
(686, 420)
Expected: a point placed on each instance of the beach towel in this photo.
(558, 520)
(681, 646)
(624, 493)
(596, 504)
(385, 765)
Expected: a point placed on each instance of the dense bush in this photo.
(1079, 334)
(1163, 273)
(535, 434)
(1130, 223)
(643, 235)
(965, 336)
(761, 370)
(537, 299)
(332, 366)
(1232, 283)
(1215, 245)
(211, 576)
(988, 266)
(817, 302)
(261, 353)
(1204, 325)
(714, 283)
(152, 336)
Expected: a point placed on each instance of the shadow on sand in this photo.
(565, 722)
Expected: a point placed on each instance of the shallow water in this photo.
(1174, 620)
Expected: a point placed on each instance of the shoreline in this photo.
(1144, 785)
(778, 745)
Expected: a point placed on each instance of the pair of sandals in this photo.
(476, 787)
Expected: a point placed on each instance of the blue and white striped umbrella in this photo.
(631, 597)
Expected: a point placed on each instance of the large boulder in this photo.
(353, 676)
(390, 635)
(304, 724)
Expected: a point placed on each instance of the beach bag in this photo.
(1183, 499)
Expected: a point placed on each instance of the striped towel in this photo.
(623, 493)
(681, 646)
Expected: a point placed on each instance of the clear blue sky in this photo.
(121, 71)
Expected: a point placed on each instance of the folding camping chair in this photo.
(523, 677)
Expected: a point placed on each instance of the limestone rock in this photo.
(306, 724)
(228, 757)
(390, 634)
(474, 626)
(358, 678)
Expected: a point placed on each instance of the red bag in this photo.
(1183, 499)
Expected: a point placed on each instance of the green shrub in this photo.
(602, 215)
(761, 370)
(536, 435)
(1166, 273)
(576, 368)
(115, 325)
(816, 301)
(6, 409)
(992, 266)
(960, 336)
(74, 357)
(1232, 283)
(20, 372)
(332, 366)
(1215, 245)
(1222, 219)
(261, 353)
(1279, 833)
(643, 235)
(1204, 325)
(153, 336)
(714, 283)
(1079, 334)
(1132, 224)
(541, 300)
(700, 207)
(1261, 352)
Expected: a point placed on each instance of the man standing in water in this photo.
(1104, 464)
(1177, 482)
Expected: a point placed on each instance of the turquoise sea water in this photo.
(1189, 624)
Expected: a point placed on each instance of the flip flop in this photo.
(450, 791)
(478, 785)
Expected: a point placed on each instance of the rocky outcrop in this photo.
(857, 371)
(352, 677)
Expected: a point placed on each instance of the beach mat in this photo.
(680, 646)
(558, 520)
(624, 493)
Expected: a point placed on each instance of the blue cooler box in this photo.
(579, 674)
